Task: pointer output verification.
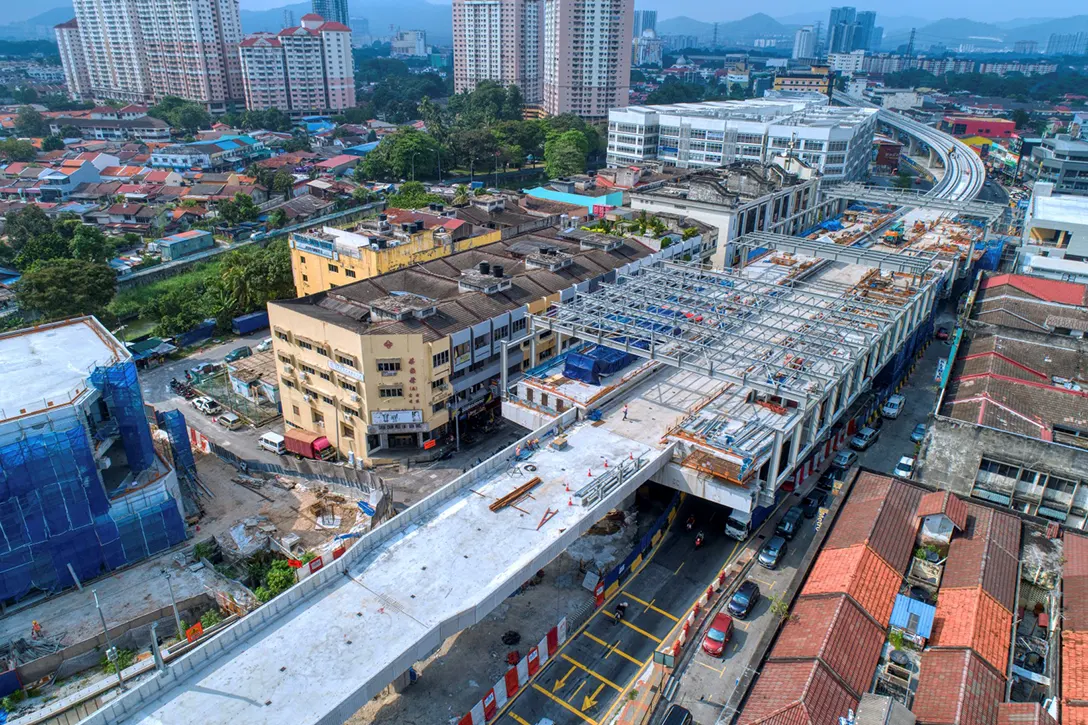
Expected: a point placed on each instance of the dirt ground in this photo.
(469, 663)
(289, 509)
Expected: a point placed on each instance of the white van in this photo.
(273, 442)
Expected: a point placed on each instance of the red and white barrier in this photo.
(517, 676)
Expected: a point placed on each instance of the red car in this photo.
(719, 634)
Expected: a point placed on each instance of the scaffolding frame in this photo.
(909, 262)
(854, 191)
(796, 340)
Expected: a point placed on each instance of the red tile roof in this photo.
(1075, 667)
(859, 572)
(796, 693)
(1075, 549)
(1074, 714)
(839, 632)
(947, 503)
(972, 618)
(1023, 713)
(880, 512)
(957, 687)
(1074, 602)
(986, 555)
(1049, 290)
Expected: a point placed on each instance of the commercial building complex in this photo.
(501, 41)
(73, 60)
(738, 199)
(402, 359)
(299, 70)
(836, 141)
(398, 238)
(1012, 417)
(1061, 161)
(565, 57)
(83, 490)
(804, 43)
(409, 44)
(141, 50)
(1055, 239)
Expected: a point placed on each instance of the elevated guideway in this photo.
(321, 650)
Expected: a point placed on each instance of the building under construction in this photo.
(83, 490)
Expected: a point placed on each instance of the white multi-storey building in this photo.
(143, 50)
(586, 59)
(73, 60)
(409, 44)
(804, 43)
(299, 70)
(500, 41)
(836, 141)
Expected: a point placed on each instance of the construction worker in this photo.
(35, 630)
(625, 411)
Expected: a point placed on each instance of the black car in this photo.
(827, 480)
(812, 504)
(790, 523)
(744, 599)
(772, 552)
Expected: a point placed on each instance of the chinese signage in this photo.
(386, 417)
(345, 370)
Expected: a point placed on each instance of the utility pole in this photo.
(715, 43)
(111, 651)
(173, 603)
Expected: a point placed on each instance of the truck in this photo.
(245, 324)
(305, 444)
(739, 524)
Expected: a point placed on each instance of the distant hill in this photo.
(1041, 31)
(949, 31)
(38, 27)
(752, 26)
(437, 20)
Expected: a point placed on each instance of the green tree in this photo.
(565, 154)
(412, 195)
(402, 155)
(91, 245)
(52, 143)
(362, 195)
(41, 248)
(15, 150)
(903, 181)
(23, 225)
(238, 210)
(277, 219)
(29, 122)
(61, 288)
(69, 131)
(673, 91)
(1022, 118)
(182, 114)
(283, 182)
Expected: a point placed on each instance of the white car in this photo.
(893, 407)
(206, 405)
(905, 468)
(266, 344)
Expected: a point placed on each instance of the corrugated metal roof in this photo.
(905, 608)
(839, 632)
(972, 618)
(796, 693)
(956, 687)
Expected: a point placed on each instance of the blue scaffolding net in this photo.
(55, 514)
(173, 422)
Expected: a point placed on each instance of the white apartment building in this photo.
(500, 41)
(836, 141)
(587, 62)
(73, 60)
(300, 70)
(409, 44)
(847, 63)
(142, 50)
(804, 43)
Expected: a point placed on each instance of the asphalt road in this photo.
(584, 682)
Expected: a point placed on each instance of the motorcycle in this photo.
(620, 609)
(690, 522)
(699, 539)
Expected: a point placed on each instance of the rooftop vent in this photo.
(401, 306)
(490, 281)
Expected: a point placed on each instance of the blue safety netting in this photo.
(591, 364)
(173, 422)
(54, 509)
(121, 391)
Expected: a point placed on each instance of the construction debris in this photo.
(516, 495)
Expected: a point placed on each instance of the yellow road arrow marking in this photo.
(562, 681)
(591, 700)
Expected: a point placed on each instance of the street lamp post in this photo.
(111, 651)
(173, 603)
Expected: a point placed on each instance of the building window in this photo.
(519, 325)
(305, 278)
(345, 361)
(307, 369)
(294, 409)
(440, 359)
(436, 384)
(305, 345)
(396, 392)
(328, 400)
(324, 376)
(347, 431)
(350, 412)
(283, 336)
(350, 273)
(317, 417)
(348, 387)
(322, 351)
(301, 259)
(389, 367)
(437, 407)
(333, 268)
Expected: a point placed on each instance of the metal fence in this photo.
(360, 480)
(217, 385)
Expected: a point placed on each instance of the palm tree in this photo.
(460, 195)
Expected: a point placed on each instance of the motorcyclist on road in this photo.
(699, 539)
(691, 522)
(620, 609)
